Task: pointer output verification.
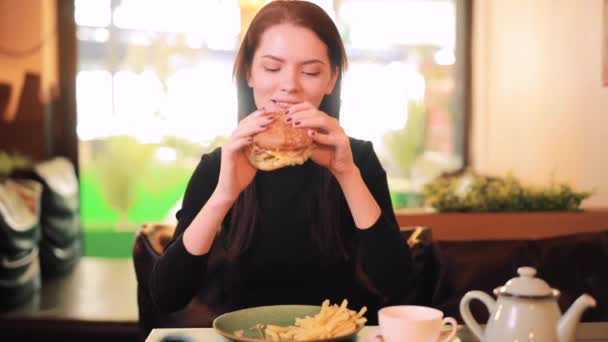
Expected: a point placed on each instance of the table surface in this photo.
(586, 332)
(97, 290)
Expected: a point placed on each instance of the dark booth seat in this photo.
(574, 264)
(443, 271)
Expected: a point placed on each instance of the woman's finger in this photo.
(302, 114)
(238, 143)
(314, 119)
(251, 115)
(242, 142)
(324, 138)
(255, 115)
(253, 126)
(298, 107)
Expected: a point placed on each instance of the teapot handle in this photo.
(465, 310)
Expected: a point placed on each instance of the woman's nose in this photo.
(289, 81)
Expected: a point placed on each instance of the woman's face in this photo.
(291, 65)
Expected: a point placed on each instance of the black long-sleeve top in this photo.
(284, 265)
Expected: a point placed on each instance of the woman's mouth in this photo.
(282, 104)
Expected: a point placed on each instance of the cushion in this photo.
(474, 265)
(60, 247)
(574, 264)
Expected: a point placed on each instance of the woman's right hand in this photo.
(236, 172)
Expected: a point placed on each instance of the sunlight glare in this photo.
(445, 56)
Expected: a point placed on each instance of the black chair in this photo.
(150, 242)
(423, 273)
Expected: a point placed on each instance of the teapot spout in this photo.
(566, 327)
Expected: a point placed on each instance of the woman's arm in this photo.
(199, 236)
(178, 273)
(215, 185)
(362, 204)
(383, 254)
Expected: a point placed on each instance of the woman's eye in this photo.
(309, 73)
(270, 69)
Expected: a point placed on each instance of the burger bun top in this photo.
(282, 136)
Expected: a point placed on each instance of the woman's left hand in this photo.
(333, 146)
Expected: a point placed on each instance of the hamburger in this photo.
(279, 145)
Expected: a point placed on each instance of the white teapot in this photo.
(526, 310)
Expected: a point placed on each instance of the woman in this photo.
(296, 235)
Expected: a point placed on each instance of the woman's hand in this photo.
(236, 172)
(334, 152)
(333, 147)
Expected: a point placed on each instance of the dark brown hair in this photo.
(324, 201)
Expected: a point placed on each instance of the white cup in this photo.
(405, 323)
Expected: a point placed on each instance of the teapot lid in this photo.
(526, 285)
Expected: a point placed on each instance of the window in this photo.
(155, 90)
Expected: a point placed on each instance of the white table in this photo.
(586, 332)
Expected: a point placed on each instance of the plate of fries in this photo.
(307, 323)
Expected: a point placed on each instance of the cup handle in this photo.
(451, 321)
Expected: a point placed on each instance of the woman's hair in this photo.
(324, 200)
(300, 13)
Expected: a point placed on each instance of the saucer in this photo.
(374, 335)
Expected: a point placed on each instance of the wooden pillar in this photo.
(64, 136)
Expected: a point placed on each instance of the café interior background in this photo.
(538, 104)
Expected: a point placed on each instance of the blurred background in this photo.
(154, 91)
(110, 103)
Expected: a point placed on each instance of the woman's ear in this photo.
(332, 82)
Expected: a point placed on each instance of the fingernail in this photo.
(297, 123)
(288, 120)
(311, 132)
(287, 112)
(270, 118)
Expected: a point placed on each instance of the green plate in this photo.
(246, 319)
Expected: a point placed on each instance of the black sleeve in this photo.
(383, 254)
(177, 275)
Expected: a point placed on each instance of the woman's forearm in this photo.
(363, 206)
(199, 235)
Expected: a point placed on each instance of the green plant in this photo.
(406, 144)
(188, 149)
(184, 148)
(215, 143)
(119, 168)
(470, 192)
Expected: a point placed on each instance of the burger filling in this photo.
(269, 159)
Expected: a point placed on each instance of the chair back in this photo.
(150, 241)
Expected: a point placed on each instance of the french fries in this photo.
(332, 321)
